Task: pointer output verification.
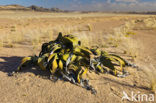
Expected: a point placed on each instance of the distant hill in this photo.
(41, 9)
(30, 8)
(13, 7)
(37, 8)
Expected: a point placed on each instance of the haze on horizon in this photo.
(89, 5)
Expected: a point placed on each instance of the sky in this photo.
(89, 5)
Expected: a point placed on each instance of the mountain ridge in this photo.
(29, 8)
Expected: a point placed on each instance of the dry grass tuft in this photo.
(89, 27)
(118, 39)
(9, 44)
(121, 38)
(130, 47)
(18, 37)
(150, 71)
(1, 42)
(150, 23)
(90, 39)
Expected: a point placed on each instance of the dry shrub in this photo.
(150, 23)
(121, 38)
(50, 34)
(71, 29)
(126, 44)
(150, 71)
(91, 39)
(65, 29)
(1, 42)
(18, 37)
(130, 47)
(117, 39)
(8, 41)
(89, 26)
(34, 37)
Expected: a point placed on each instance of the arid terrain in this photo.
(130, 36)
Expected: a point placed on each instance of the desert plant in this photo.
(150, 71)
(1, 42)
(89, 27)
(9, 44)
(18, 37)
(13, 28)
(66, 57)
(129, 33)
(150, 23)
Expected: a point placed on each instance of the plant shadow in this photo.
(127, 85)
(10, 64)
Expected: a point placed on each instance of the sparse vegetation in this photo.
(150, 71)
(1, 42)
(24, 33)
(150, 23)
(89, 27)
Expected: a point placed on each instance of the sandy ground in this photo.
(32, 86)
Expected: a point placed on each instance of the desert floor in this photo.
(20, 31)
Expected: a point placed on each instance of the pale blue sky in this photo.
(102, 5)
